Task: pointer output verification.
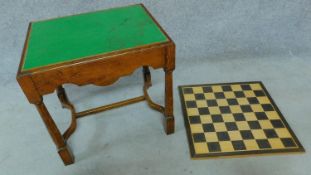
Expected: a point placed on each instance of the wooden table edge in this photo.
(22, 72)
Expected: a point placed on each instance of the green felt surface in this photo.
(79, 36)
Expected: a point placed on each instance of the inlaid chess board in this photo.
(234, 119)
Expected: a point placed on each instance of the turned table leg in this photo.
(63, 150)
(168, 112)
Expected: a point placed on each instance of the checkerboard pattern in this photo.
(234, 119)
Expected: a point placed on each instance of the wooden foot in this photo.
(66, 155)
(169, 125)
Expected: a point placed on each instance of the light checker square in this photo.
(232, 119)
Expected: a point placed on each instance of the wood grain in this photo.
(101, 70)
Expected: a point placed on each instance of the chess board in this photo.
(234, 119)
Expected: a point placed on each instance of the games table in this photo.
(94, 48)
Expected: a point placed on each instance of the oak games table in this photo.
(94, 48)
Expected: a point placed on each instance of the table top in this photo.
(80, 36)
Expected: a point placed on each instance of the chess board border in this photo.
(299, 149)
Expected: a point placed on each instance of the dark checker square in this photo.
(191, 104)
(261, 116)
(246, 87)
(288, 142)
(246, 135)
(253, 100)
(239, 117)
(254, 125)
(223, 136)
(217, 118)
(239, 94)
(231, 126)
(195, 119)
(226, 88)
(263, 143)
(246, 108)
(277, 123)
(198, 137)
(270, 133)
(213, 147)
(225, 109)
(238, 145)
(259, 93)
(232, 101)
(188, 91)
(203, 111)
(219, 95)
(267, 107)
(207, 89)
(211, 103)
(208, 127)
(199, 96)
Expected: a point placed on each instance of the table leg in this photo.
(62, 96)
(63, 150)
(169, 116)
